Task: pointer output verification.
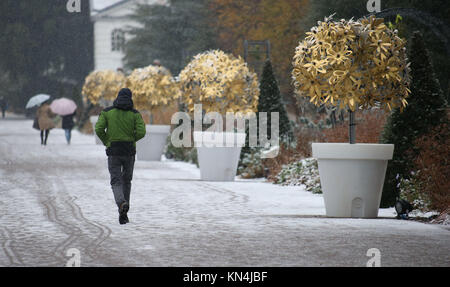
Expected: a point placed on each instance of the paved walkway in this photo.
(57, 197)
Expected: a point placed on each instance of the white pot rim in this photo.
(219, 139)
(155, 129)
(352, 151)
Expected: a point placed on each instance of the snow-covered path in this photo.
(58, 197)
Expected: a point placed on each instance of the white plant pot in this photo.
(352, 177)
(217, 158)
(93, 120)
(151, 147)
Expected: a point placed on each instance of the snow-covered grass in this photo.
(304, 172)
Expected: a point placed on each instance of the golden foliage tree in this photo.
(278, 21)
(100, 86)
(352, 63)
(220, 82)
(152, 87)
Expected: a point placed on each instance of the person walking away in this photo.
(119, 128)
(67, 125)
(3, 106)
(45, 120)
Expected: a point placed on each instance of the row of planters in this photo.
(220, 82)
(153, 88)
(349, 64)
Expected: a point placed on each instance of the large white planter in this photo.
(217, 158)
(93, 120)
(151, 147)
(352, 177)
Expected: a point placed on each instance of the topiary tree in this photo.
(102, 86)
(352, 64)
(270, 101)
(153, 87)
(426, 109)
(220, 82)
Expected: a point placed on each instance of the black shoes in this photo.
(122, 219)
(123, 209)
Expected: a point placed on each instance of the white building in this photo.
(111, 19)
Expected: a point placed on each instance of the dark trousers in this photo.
(121, 171)
(44, 140)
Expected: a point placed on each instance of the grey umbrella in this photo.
(37, 100)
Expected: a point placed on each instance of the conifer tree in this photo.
(426, 109)
(270, 101)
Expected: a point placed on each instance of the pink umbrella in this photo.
(63, 106)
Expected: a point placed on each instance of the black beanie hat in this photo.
(123, 100)
(125, 92)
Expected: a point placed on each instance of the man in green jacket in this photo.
(119, 128)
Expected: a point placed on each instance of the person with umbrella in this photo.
(45, 120)
(37, 101)
(66, 109)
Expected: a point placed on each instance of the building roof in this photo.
(103, 6)
(107, 8)
(100, 7)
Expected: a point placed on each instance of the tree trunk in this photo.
(351, 127)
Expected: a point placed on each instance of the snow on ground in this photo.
(58, 197)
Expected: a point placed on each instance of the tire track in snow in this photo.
(233, 196)
(47, 198)
(74, 211)
(104, 231)
(73, 232)
(13, 257)
(60, 208)
(8, 238)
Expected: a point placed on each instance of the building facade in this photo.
(111, 22)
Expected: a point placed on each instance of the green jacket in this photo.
(116, 125)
